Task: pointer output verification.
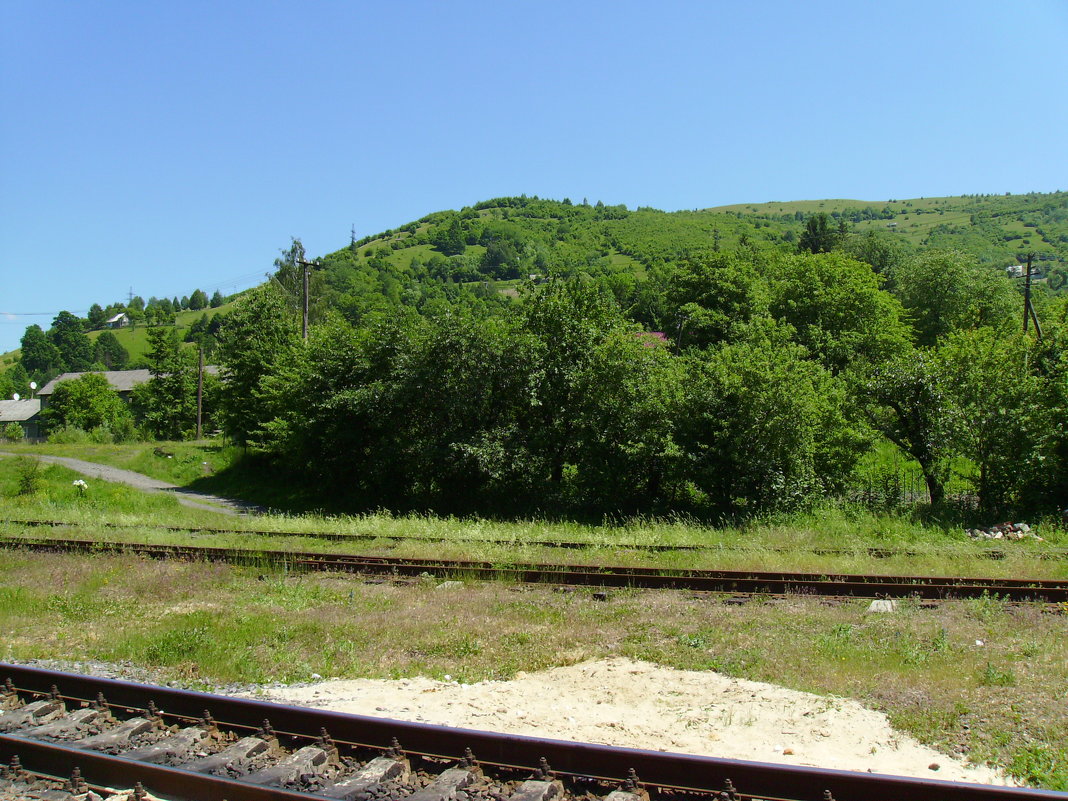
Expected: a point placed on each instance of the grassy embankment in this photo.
(1001, 701)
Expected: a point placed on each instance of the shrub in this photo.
(29, 476)
(12, 432)
(68, 435)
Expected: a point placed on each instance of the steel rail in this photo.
(924, 587)
(874, 552)
(656, 769)
(107, 770)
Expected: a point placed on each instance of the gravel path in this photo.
(186, 497)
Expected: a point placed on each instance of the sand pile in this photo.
(640, 705)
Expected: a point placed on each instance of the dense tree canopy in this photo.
(88, 403)
(525, 355)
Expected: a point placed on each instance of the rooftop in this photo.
(118, 380)
(18, 411)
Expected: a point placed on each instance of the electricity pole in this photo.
(200, 388)
(307, 265)
(1029, 310)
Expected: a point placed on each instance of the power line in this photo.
(37, 314)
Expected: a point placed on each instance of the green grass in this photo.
(59, 498)
(205, 624)
(1001, 701)
(790, 544)
(180, 463)
(135, 339)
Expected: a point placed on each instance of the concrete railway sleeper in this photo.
(874, 552)
(864, 586)
(184, 745)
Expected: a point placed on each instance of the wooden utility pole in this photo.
(307, 265)
(1029, 309)
(304, 324)
(200, 389)
(1027, 294)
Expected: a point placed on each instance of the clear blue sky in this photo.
(170, 146)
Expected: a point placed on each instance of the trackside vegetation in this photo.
(769, 376)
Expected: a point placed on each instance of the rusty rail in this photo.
(863, 586)
(664, 775)
(872, 551)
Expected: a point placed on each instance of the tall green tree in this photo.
(945, 291)
(716, 298)
(836, 308)
(96, 316)
(907, 400)
(108, 351)
(166, 405)
(1001, 420)
(819, 236)
(198, 300)
(258, 336)
(763, 427)
(568, 320)
(68, 335)
(40, 356)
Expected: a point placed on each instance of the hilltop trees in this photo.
(819, 235)
(198, 300)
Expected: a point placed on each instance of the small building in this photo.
(122, 381)
(120, 320)
(24, 412)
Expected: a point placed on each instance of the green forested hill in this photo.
(997, 229)
(481, 252)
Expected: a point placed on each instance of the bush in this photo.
(12, 432)
(68, 435)
(29, 476)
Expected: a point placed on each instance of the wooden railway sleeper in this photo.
(179, 746)
(306, 763)
(240, 757)
(34, 713)
(119, 736)
(392, 766)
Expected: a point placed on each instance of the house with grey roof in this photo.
(24, 412)
(122, 381)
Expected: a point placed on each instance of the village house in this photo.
(122, 381)
(24, 412)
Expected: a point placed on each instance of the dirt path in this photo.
(186, 497)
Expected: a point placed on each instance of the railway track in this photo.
(185, 745)
(718, 581)
(874, 552)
